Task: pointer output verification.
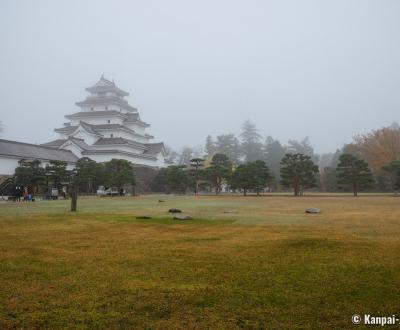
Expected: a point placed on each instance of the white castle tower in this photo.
(108, 127)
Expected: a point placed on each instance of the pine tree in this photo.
(219, 170)
(241, 178)
(253, 175)
(260, 175)
(196, 165)
(274, 152)
(298, 172)
(119, 172)
(209, 147)
(353, 172)
(394, 170)
(228, 145)
(251, 142)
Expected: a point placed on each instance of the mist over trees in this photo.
(379, 149)
(243, 163)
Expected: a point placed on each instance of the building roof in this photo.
(95, 129)
(105, 100)
(80, 143)
(55, 143)
(154, 148)
(105, 85)
(34, 151)
(105, 113)
(119, 152)
(89, 128)
(118, 140)
(128, 117)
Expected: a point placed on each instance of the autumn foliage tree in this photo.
(378, 148)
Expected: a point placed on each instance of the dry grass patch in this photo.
(267, 266)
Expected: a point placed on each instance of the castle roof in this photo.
(105, 85)
(34, 151)
(95, 129)
(105, 100)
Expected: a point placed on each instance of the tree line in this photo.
(372, 161)
(379, 148)
(297, 172)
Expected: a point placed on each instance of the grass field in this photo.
(252, 263)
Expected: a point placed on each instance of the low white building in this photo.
(13, 153)
(106, 127)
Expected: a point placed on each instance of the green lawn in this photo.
(249, 263)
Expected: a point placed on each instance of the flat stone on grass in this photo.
(175, 211)
(313, 210)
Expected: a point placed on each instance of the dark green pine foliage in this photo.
(173, 179)
(219, 170)
(353, 173)
(394, 170)
(57, 173)
(274, 152)
(252, 148)
(253, 175)
(119, 172)
(241, 178)
(177, 179)
(298, 172)
(87, 172)
(260, 175)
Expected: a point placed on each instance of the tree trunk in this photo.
(74, 199)
(258, 191)
(244, 192)
(355, 190)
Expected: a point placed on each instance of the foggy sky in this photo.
(323, 69)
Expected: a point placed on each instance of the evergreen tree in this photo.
(260, 175)
(228, 145)
(23, 176)
(30, 175)
(171, 179)
(57, 172)
(274, 152)
(241, 178)
(87, 171)
(303, 147)
(329, 179)
(353, 172)
(219, 170)
(253, 175)
(298, 172)
(251, 142)
(119, 172)
(196, 165)
(177, 179)
(209, 147)
(394, 170)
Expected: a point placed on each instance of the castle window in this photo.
(111, 135)
(106, 108)
(109, 121)
(91, 108)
